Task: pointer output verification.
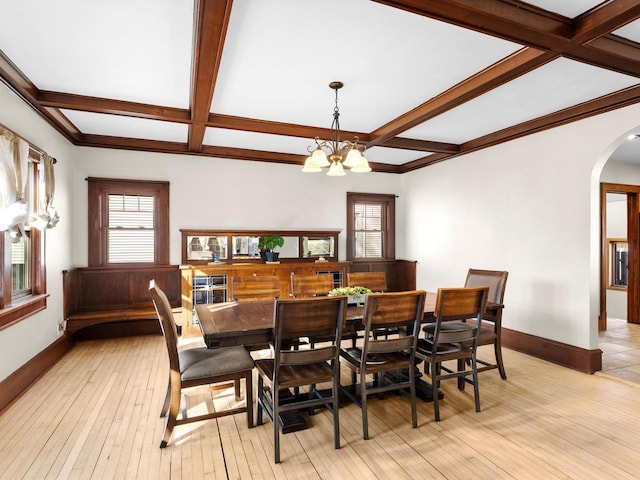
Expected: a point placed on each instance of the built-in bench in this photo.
(101, 295)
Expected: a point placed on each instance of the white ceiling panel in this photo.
(389, 60)
(393, 156)
(136, 50)
(550, 88)
(222, 137)
(630, 31)
(568, 8)
(119, 126)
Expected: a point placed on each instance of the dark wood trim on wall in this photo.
(12, 387)
(576, 358)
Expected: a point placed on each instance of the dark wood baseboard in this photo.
(587, 361)
(12, 387)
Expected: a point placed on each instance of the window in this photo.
(22, 269)
(618, 263)
(128, 222)
(370, 226)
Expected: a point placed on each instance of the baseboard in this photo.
(583, 360)
(12, 387)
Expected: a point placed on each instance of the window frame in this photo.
(98, 207)
(388, 204)
(612, 249)
(16, 306)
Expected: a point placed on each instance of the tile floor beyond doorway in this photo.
(620, 345)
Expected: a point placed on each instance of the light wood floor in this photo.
(94, 415)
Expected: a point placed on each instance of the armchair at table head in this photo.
(290, 368)
(496, 281)
(196, 367)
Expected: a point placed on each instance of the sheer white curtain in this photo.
(14, 176)
(14, 153)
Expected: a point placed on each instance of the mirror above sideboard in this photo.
(202, 246)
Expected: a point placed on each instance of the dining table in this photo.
(250, 324)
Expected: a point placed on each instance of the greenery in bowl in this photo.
(353, 291)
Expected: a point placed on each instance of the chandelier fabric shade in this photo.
(334, 153)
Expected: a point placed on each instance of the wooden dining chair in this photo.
(374, 281)
(496, 281)
(289, 368)
(255, 288)
(196, 367)
(382, 356)
(456, 341)
(304, 286)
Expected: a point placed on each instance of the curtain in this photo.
(46, 215)
(14, 152)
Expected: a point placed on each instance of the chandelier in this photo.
(334, 153)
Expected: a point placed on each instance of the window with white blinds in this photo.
(368, 230)
(131, 230)
(370, 226)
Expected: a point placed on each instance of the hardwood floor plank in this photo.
(95, 415)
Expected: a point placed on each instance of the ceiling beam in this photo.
(421, 145)
(517, 22)
(210, 26)
(499, 73)
(116, 107)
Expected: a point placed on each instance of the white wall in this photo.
(231, 194)
(529, 206)
(22, 341)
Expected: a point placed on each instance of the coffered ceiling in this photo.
(248, 79)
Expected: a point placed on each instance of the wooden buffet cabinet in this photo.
(211, 283)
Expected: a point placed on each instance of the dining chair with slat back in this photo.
(290, 368)
(198, 367)
(304, 286)
(255, 288)
(383, 356)
(374, 281)
(496, 281)
(457, 342)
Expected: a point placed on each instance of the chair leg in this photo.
(498, 351)
(336, 410)
(172, 416)
(476, 385)
(236, 384)
(248, 385)
(363, 406)
(412, 393)
(276, 424)
(167, 399)
(260, 399)
(434, 388)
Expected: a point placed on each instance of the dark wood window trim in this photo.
(388, 203)
(16, 307)
(99, 189)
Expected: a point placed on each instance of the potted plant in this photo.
(267, 243)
